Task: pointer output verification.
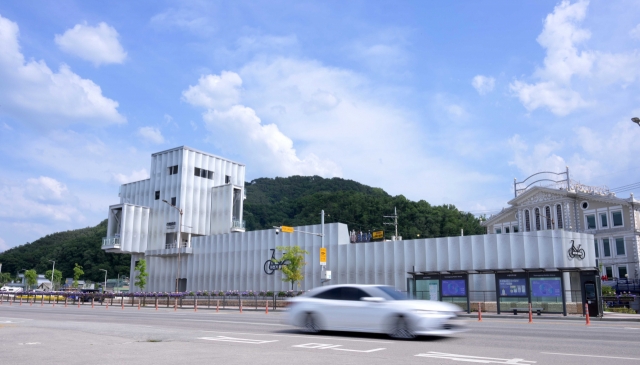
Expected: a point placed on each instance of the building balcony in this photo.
(111, 243)
(237, 225)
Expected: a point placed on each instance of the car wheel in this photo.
(401, 330)
(310, 324)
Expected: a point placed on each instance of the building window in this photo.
(537, 219)
(584, 205)
(173, 201)
(210, 175)
(622, 271)
(559, 215)
(616, 218)
(547, 213)
(196, 171)
(173, 170)
(595, 244)
(203, 173)
(227, 179)
(591, 221)
(498, 231)
(515, 229)
(506, 229)
(606, 247)
(157, 195)
(603, 220)
(527, 221)
(609, 271)
(620, 251)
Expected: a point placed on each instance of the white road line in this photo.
(583, 355)
(252, 323)
(300, 336)
(326, 346)
(480, 359)
(631, 328)
(236, 340)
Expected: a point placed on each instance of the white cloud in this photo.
(39, 96)
(3, 245)
(98, 44)
(542, 157)
(215, 92)
(138, 175)
(44, 198)
(270, 146)
(565, 63)
(46, 189)
(151, 134)
(635, 32)
(483, 84)
(186, 18)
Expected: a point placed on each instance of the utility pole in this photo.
(395, 222)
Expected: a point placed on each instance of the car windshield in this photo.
(392, 293)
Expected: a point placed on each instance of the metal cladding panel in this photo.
(235, 261)
(134, 229)
(221, 206)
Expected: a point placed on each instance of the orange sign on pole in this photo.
(287, 229)
(323, 256)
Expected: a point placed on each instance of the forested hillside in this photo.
(292, 201)
(298, 200)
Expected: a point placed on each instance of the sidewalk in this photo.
(608, 316)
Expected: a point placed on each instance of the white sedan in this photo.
(372, 308)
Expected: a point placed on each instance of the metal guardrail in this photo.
(111, 241)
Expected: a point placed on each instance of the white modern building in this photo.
(216, 254)
(568, 205)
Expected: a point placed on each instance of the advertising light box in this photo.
(513, 287)
(547, 287)
(454, 288)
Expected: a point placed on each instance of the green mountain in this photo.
(292, 201)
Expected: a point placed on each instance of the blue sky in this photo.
(441, 101)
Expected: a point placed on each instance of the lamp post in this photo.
(104, 290)
(179, 239)
(52, 272)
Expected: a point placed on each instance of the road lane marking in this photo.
(583, 355)
(253, 323)
(236, 340)
(326, 346)
(300, 336)
(480, 359)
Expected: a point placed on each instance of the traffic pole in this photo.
(266, 307)
(21, 300)
(92, 303)
(586, 310)
(65, 301)
(530, 314)
(107, 303)
(138, 303)
(240, 305)
(175, 305)
(195, 305)
(42, 300)
(156, 303)
(217, 305)
(479, 312)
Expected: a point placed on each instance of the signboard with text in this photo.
(454, 285)
(323, 256)
(287, 229)
(377, 235)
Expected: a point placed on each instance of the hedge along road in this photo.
(39, 334)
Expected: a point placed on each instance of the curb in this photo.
(560, 318)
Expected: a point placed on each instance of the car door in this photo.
(328, 308)
(358, 315)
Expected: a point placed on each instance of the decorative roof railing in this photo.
(557, 180)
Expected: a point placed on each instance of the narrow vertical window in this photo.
(210, 175)
(157, 195)
(196, 171)
(227, 179)
(173, 201)
(537, 219)
(527, 221)
(559, 216)
(547, 213)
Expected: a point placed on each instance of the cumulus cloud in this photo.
(34, 93)
(565, 61)
(151, 134)
(483, 84)
(138, 175)
(214, 91)
(635, 32)
(188, 18)
(98, 44)
(42, 197)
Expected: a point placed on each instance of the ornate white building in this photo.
(571, 206)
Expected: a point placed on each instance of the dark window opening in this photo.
(537, 219)
(173, 201)
(559, 215)
(173, 170)
(227, 179)
(203, 173)
(210, 175)
(157, 195)
(196, 171)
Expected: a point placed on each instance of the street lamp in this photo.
(52, 272)
(636, 120)
(104, 290)
(179, 239)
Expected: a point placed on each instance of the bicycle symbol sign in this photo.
(271, 265)
(576, 251)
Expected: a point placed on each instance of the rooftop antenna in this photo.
(395, 222)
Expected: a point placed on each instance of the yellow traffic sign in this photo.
(377, 235)
(287, 229)
(323, 256)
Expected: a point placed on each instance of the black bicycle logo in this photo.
(576, 252)
(270, 266)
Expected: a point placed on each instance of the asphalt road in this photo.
(58, 335)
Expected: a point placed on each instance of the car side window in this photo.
(353, 294)
(331, 294)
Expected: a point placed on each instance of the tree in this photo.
(57, 277)
(5, 277)
(77, 273)
(141, 277)
(292, 271)
(32, 278)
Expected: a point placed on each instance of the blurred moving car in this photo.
(372, 308)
